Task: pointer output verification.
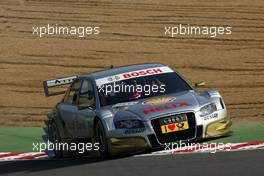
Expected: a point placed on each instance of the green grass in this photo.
(245, 131)
(19, 139)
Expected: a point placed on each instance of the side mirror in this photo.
(199, 84)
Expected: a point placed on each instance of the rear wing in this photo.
(55, 83)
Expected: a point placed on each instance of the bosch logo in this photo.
(142, 73)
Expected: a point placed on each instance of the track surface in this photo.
(226, 163)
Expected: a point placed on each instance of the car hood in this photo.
(149, 108)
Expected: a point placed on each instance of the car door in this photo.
(68, 109)
(86, 109)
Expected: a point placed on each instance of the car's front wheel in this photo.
(100, 137)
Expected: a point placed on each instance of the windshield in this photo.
(141, 87)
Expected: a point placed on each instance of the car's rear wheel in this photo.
(100, 137)
(55, 138)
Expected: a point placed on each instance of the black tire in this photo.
(100, 137)
(55, 138)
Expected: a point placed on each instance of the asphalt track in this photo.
(222, 163)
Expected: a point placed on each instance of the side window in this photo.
(72, 94)
(87, 97)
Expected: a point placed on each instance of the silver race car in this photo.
(133, 108)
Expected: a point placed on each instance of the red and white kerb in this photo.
(133, 74)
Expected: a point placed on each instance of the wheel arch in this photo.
(95, 121)
(54, 117)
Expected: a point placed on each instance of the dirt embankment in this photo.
(131, 32)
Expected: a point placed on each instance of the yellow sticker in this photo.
(158, 100)
(174, 127)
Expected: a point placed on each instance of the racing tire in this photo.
(55, 138)
(100, 137)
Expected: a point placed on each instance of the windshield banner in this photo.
(133, 74)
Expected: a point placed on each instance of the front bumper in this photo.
(215, 127)
(218, 128)
(118, 145)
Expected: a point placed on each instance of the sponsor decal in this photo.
(212, 116)
(133, 131)
(142, 73)
(133, 74)
(62, 81)
(174, 127)
(114, 78)
(158, 101)
(165, 107)
(123, 106)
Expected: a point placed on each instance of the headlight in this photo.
(208, 109)
(129, 124)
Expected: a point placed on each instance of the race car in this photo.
(133, 108)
